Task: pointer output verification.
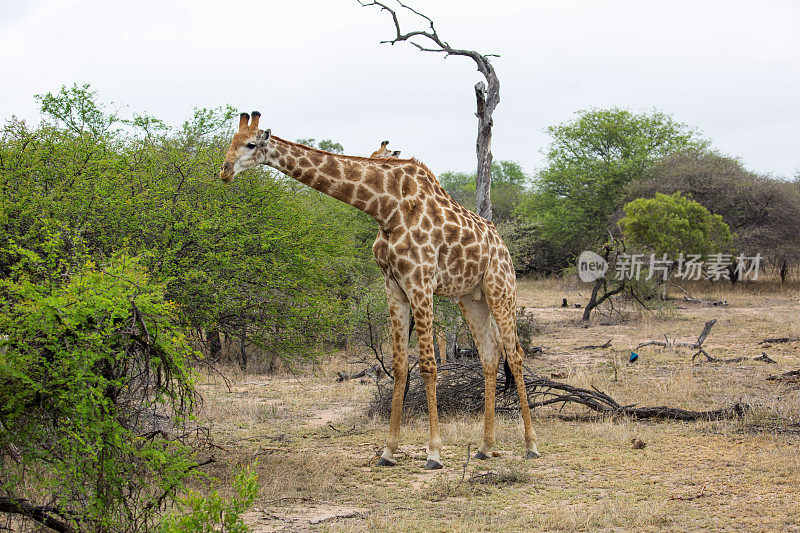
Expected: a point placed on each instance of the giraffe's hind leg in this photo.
(480, 324)
(502, 302)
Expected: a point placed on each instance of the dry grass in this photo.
(593, 474)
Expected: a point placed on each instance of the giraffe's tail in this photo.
(507, 369)
(509, 376)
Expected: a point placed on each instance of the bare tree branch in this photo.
(487, 94)
(698, 345)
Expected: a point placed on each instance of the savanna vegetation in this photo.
(129, 274)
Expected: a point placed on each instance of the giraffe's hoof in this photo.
(433, 465)
(386, 462)
(480, 455)
(532, 455)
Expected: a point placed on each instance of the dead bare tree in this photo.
(487, 94)
(487, 97)
(610, 287)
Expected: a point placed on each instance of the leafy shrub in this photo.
(267, 263)
(204, 514)
(673, 224)
(95, 389)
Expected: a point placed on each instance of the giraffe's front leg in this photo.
(399, 314)
(422, 305)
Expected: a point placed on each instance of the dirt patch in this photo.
(266, 520)
(330, 415)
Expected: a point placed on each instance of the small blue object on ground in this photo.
(634, 357)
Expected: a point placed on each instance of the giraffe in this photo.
(384, 152)
(427, 244)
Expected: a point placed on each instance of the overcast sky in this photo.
(315, 68)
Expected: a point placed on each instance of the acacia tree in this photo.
(487, 94)
(670, 225)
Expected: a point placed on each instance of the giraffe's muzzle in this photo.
(226, 174)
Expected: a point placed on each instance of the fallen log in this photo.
(460, 389)
(43, 514)
(344, 376)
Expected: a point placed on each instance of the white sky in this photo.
(315, 68)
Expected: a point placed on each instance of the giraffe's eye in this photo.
(251, 145)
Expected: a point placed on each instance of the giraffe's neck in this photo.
(357, 181)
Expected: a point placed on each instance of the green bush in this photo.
(673, 224)
(212, 513)
(266, 262)
(95, 388)
(590, 162)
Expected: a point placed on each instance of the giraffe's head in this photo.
(248, 147)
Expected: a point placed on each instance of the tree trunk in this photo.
(594, 301)
(483, 146)
(487, 94)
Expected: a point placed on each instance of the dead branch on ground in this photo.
(38, 513)
(460, 389)
(344, 376)
(697, 345)
(765, 358)
(689, 298)
(606, 344)
(793, 376)
(779, 340)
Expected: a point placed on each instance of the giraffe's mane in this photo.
(423, 166)
(391, 160)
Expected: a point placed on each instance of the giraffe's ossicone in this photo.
(427, 245)
(384, 152)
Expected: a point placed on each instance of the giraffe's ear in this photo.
(265, 136)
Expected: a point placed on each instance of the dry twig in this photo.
(606, 344)
(793, 376)
(765, 358)
(779, 340)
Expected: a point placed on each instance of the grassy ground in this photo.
(316, 448)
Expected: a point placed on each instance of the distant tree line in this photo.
(604, 159)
